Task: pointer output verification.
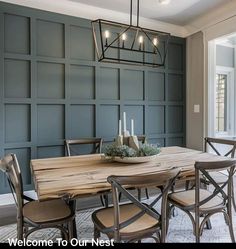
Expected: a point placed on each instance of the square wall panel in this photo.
(82, 121)
(50, 39)
(175, 56)
(82, 82)
(156, 119)
(156, 86)
(109, 83)
(17, 123)
(50, 80)
(16, 34)
(108, 121)
(175, 119)
(175, 141)
(132, 85)
(50, 151)
(51, 120)
(137, 114)
(81, 43)
(23, 157)
(16, 78)
(175, 87)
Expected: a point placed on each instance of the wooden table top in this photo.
(79, 176)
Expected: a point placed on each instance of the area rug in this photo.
(180, 230)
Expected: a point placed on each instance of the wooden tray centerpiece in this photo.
(127, 148)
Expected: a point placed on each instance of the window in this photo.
(224, 101)
(221, 103)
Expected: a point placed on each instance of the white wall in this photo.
(197, 79)
(195, 88)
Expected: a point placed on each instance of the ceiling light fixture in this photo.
(132, 44)
(164, 2)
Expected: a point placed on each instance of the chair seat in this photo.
(219, 177)
(106, 218)
(46, 211)
(187, 198)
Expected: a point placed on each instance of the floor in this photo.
(180, 229)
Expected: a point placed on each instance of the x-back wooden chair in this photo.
(142, 139)
(203, 202)
(72, 150)
(220, 177)
(135, 221)
(34, 214)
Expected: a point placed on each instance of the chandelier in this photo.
(129, 44)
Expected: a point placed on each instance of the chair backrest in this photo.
(10, 166)
(211, 141)
(224, 190)
(124, 183)
(72, 145)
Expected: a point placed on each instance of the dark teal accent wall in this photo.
(52, 88)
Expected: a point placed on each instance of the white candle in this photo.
(119, 127)
(132, 127)
(124, 120)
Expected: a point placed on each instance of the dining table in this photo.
(86, 175)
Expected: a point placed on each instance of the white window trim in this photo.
(229, 71)
(211, 117)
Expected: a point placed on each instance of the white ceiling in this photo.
(180, 18)
(179, 12)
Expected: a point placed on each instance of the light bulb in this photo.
(124, 37)
(164, 2)
(140, 39)
(155, 41)
(107, 34)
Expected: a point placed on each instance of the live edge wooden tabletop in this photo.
(79, 176)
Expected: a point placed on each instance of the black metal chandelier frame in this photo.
(147, 32)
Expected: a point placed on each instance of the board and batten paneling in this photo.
(52, 88)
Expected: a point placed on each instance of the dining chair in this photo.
(34, 215)
(134, 221)
(221, 176)
(206, 202)
(73, 148)
(142, 139)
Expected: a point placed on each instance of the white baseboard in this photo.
(7, 199)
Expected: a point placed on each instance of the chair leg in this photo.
(70, 230)
(101, 199)
(106, 200)
(187, 184)
(139, 194)
(72, 204)
(228, 216)
(197, 225)
(120, 194)
(19, 229)
(208, 225)
(96, 233)
(231, 229)
(233, 196)
(62, 233)
(147, 194)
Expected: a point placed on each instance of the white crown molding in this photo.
(202, 23)
(90, 12)
(212, 19)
